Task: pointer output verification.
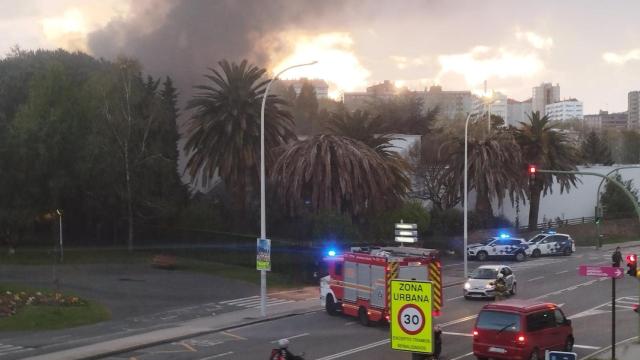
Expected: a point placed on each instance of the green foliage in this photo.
(404, 114)
(630, 147)
(224, 132)
(306, 109)
(331, 226)
(595, 151)
(382, 226)
(615, 202)
(64, 128)
(448, 222)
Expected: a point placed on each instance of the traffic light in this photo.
(532, 172)
(632, 264)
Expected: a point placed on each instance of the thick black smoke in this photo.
(183, 38)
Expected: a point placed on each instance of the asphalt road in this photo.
(555, 279)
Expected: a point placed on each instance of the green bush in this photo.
(382, 226)
(330, 226)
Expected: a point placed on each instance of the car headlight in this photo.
(467, 286)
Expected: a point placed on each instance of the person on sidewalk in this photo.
(283, 353)
(616, 258)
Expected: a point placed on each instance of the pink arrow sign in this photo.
(601, 271)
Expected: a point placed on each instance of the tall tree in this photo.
(541, 144)
(336, 173)
(595, 151)
(615, 202)
(306, 109)
(494, 167)
(630, 147)
(224, 131)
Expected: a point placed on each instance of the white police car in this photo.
(503, 246)
(551, 243)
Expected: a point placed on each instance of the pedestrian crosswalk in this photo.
(6, 349)
(253, 302)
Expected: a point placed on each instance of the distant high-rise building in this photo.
(518, 111)
(564, 110)
(320, 86)
(604, 120)
(450, 103)
(362, 99)
(544, 95)
(633, 110)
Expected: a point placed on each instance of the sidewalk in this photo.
(187, 329)
(628, 244)
(625, 350)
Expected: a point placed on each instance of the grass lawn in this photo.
(243, 273)
(213, 265)
(48, 317)
(74, 256)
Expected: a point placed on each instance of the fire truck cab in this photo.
(358, 281)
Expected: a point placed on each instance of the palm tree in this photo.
(494, 171)
(362, 126)
(543, 145)
(336, 172)
(224, 130)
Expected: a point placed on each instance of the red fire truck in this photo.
(358, 282)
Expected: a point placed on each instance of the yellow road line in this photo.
(238, 337)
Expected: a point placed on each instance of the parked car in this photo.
(502, 246)
(481, 283)
(521, 329)
(551, 243)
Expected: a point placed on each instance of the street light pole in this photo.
(263, 223)
(466, 165)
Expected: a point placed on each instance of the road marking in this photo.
(462, 356)
(235, 300)
(456, 298)
(291, 337)
(457, 334)
(562, 272)
(217, 356)
(355, 350)
(457, 321)
(608, 347)
(234, 335)
(586, 347)
(349, 323)
(536, 278)
(444, 266)
(189, 347)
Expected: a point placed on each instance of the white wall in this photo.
(579, 202)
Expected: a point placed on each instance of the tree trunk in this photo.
(535, 190)
(483, 206)
(127, 174)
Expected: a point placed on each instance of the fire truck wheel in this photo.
(363, 317)
(330, 305)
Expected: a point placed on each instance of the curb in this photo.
(182, 337)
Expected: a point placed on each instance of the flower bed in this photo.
(11, 302)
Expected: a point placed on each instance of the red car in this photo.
(521, 329)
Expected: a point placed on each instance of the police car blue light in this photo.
(504, 236)
(331, 253)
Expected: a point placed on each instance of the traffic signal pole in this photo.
(637, 209)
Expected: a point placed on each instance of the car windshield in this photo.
(483, 273)
(486, 241)
(497, 320)
(537, 238)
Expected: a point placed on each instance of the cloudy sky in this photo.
(590, 47)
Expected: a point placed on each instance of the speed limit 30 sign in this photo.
(411, 321)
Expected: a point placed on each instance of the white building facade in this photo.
(498, 105)
(564, 110)
(518, 111)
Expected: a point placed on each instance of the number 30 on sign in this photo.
(411, 322)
